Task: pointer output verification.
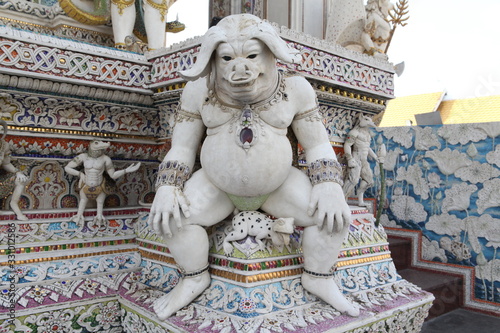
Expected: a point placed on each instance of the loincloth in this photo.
(92, 192)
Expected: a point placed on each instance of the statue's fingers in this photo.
(156, 222)
(166, 224)
(340, 222)
(320, 218)
(347, 218)
(177, 215)
(184, 204)
(330, 222)
(313, 204)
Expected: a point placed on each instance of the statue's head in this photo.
(239, 55)
(365, 121)
(4, 126)
(97, 148)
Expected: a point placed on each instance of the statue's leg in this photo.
(14, 201)
(123, 20)
(363, 185)
(99, 219)
(155, 21)
(78, 218)
(321, 250)
(352, 179)
(189, 245)
(366, 176)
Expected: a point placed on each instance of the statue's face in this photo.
(365, 121)
(98, 146)
(245, 70)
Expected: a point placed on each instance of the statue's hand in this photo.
(133, 167)
(332, 209)
(169, 201)
(21, 177)
(351, 163)
(82, 181)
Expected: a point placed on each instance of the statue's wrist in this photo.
(325, 170)
(172, 173)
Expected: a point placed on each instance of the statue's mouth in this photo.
(242, 83)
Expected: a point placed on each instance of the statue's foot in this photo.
(327, 290)
(22, 217)
(184, 293)
(228, 248)
(362, 204)
(99, 220)
(78, 219)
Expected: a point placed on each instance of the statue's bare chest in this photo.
(93, 163)
(279, 115)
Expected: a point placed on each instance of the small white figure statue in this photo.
(251, 223)
(91, 183)
(377, 28)
(358, 27)
(151, 19)
(21, 178)
(123, 16)
(245, 106)
(357, 150)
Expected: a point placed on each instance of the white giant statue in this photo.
(92, 183)
(357, 151)
(237, 96)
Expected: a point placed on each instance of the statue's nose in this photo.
(240, 72)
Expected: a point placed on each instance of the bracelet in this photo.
(172, 173)
(325, 170)
(122, 4)
(192, 274)
(321, 275)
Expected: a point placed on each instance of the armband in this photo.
(172, 173)
(325, 170)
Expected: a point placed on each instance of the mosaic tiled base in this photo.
(90, 279)
(257, 290)
(404, 314)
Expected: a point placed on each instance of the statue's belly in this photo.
(257, 171)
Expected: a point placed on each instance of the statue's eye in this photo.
(226, 58)
(252, 56)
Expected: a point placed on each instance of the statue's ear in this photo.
(202, 67)
(266, 33)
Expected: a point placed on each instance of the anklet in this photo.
(191, 274)
(320, 275)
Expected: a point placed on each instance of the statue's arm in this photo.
(189, 128)
(115, 174)
(327, 203)
(177, 165)
(307, 124)
(7, 164)
(349, 142)
(70, 168)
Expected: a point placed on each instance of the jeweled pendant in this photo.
(246, 135)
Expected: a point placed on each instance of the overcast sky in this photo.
(451, 45)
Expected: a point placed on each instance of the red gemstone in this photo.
(246, 135)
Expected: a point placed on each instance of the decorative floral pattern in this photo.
(407, 209)
(458, 197)
(448, 189)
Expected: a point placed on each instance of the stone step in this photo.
(400, 252)
(462, 320)
(447, 289)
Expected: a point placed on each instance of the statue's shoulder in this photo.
(301, 92)
(194, 95)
